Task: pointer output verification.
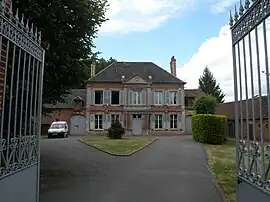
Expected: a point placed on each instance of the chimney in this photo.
(93, 70)
(173, 66)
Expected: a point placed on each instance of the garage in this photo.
(188, 125)
(77, 125)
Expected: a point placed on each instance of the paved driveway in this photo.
(173, 169)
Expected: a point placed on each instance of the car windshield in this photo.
(57, 126)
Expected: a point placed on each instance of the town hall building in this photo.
(145, 98)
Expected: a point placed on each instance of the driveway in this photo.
(172, 169)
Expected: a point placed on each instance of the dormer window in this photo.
(78, 103)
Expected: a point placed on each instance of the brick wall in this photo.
(257, 130)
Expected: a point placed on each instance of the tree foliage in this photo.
(69, 28)
(101, 64)
(209, 85)
(116, 131)
(205, 104)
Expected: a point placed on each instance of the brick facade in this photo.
(126, 110)
(247, 134)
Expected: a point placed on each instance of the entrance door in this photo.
(137, 124)
(77, 125)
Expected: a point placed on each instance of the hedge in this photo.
(210, 129)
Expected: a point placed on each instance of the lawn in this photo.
(222, 161)
(125, 146)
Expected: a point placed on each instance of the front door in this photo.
(137, 124)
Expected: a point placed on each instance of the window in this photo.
(158, 97)
(98, 97)
(250, 127)
(172, 98)
(114, 117)
(158, 121)
(137, 116)
(115, 97)
(136, 97)
(98, 122)
(173, 121)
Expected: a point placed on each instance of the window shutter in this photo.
(88, 97)
(152, 121)
(162, 97)
(167, 121)
(179, 122)
(178, 98)
(166, 97)
(163, 121)
(153, 98)
(143, 97)
(92, 97)
(92, 118)
(121, 97)
(105, 99)
(130, 97)
(121, 117)
(109, 95)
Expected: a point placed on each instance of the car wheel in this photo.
(49, 136)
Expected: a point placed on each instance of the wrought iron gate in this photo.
(21, 79)
(250, 27)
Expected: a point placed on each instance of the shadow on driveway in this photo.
(172, 169)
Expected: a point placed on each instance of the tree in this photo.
(116, 131)
(101, 64)
(69, 28)
(205, 104)
(209, 85)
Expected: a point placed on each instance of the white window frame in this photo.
(175, 118)
(100, 117)
(114, 116)
(159, 117)
(103, 94)
(171, 100)
(158, 97)
(136, 97)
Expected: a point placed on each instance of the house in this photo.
(190, 96)
(246, 117)
(72, 111)
(145, 98)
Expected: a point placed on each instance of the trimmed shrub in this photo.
(205, 104)
(116, 131)
(210, 129)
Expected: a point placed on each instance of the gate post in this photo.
(252, 104)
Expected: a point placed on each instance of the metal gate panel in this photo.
(250, 27)
(21, 80)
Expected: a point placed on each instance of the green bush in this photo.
(205, 104)
(210, 129)
(116, 131)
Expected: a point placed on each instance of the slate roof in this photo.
(228, 108)
(116, 70)
(192, 92)
(74, 93)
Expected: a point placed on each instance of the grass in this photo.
(222, 161)
(125, 146)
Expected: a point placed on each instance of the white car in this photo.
(58, 129)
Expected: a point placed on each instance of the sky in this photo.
(196, 32)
